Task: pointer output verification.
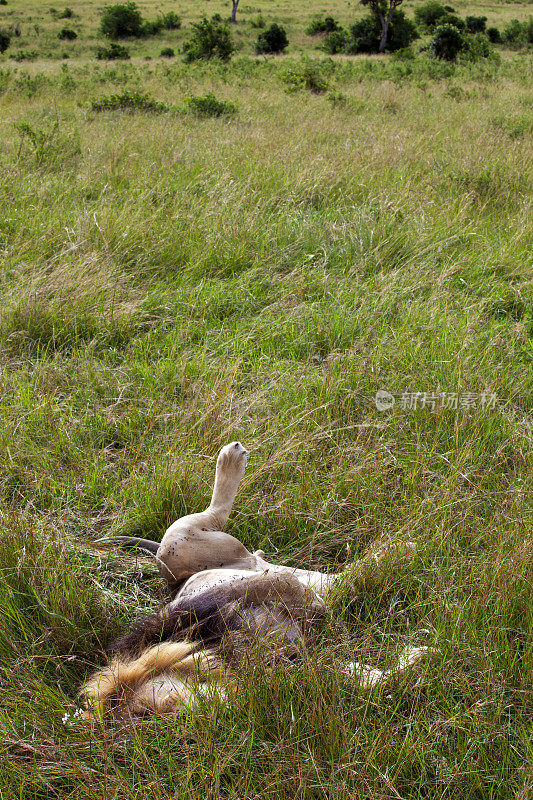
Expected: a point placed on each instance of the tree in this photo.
(384, 14)
(234, 4)
(365, 34)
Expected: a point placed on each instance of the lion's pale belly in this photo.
(212, 578)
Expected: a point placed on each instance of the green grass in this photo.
(171, 282)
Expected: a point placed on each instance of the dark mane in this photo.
(229, 617)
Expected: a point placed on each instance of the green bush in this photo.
(478, 46)
(307, 75)
(3, 2)
(152, 27)
(167, 52)
(48, 145)
(453, 19)
(67, 13)
(494, 35)
(128, 101)
(428, 14)
(335, 42)
(121, 21)
(210, 39)
(447, 42)
(404, 54)
(518, 34)
(208, 106)
(273, 40)
(476, 24)
(113, 52)
(258, 22)
(365, 34)
(5, 40)
(325, 25)
(67, 34)
(25, 55)
(171, 21)
(337, 100)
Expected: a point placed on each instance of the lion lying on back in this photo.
(226, 601)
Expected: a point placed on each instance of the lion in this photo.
(225, 601)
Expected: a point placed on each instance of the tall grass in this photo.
(170, 283)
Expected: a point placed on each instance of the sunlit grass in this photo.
(171, 283)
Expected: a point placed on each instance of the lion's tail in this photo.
(132, 543)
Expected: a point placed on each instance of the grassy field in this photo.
(170, 283)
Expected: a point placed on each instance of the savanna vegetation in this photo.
(195, 250)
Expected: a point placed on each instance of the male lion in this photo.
(226, 600)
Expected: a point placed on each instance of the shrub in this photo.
(494, 35)
(337, 100)
(477, 47)
(518, 34)
(68, 34)
(326, 25)
(335, 42)
(447, 42)
(308, 75)
(152, 27)
(121, 20)
(113, 52)
(453, 19)
(210, 39)
(258, 22)
(428, 14)
(5, 40)
(476, 24)
(171, 21)
(25, 55)
(365, 34)
(404, 54)
(3, 2)
(67, 13)
(167, 52)
(208, 106)
(128, 101)
(273, 40)
(48, 145)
